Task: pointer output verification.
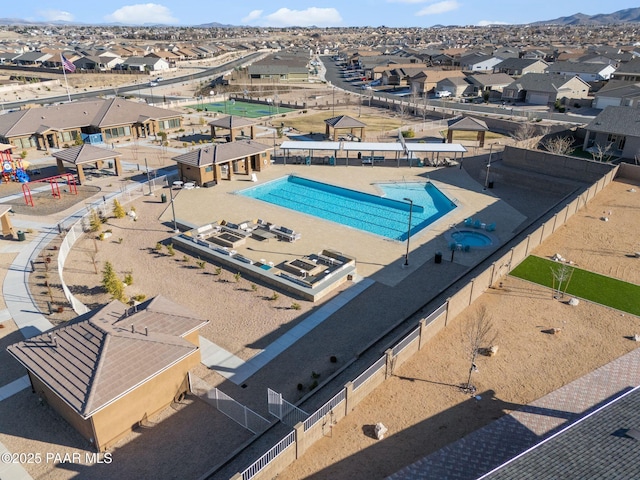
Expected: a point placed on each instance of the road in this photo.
(135, 88)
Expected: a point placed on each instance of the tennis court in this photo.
(242, 109)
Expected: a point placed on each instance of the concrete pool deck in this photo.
(374, 254)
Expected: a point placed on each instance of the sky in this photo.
(328, 13)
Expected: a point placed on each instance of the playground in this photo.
(13, 169)
(242, 109)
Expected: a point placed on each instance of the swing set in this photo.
(67, 179)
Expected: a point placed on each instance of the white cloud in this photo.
(407, 1)
(321, 17)
(143, 13)
(253, 15)
(440, 7)
(486, 23)
(55, 15)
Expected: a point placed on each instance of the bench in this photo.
(370, 160)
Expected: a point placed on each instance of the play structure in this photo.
(12, 169)
(55, 181)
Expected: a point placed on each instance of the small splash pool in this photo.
(471, 238)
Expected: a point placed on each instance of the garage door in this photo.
(538, 99)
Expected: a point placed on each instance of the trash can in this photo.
(438, 257)
(21, 237)
(490, 184)
(163, 198)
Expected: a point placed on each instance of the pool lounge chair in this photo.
(287, 234)
(468, 221)
(490, 227)
(477, 224)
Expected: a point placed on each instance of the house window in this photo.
(208, 169)
(617, 141)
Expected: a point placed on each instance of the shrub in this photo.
(274, 296)
(111, 283)
(128, 279)
(237, 276)
(170, 250)
(201, 264)
(158, 247)
(118, 209)
(95, 223)
(139, 298)
(295, 306)
(408, 133)
(254, 287)
(185, 259)
(218, 271)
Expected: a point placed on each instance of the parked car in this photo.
(153, 83)
(443, 93)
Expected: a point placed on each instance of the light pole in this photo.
(406, 257)
(146, 167)
(173, 208)
(486, 179)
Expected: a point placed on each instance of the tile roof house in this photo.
(616, 129)
(209, 165)
(94, 121)
(113, 367)
(543, 88)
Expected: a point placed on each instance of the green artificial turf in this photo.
(588, 285)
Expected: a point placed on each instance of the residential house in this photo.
(516, 67)
(396, 74)
(589, 72)
(489, 82)
(94, 121)
(478, 62)
(457, 86)
(32, 58)
(617, 93)
(617, 130)
(148, 63)
(629, 72)
(109, 370)
(280, 68)
(544, 88)
(426, 80)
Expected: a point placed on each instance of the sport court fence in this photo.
(314, 427)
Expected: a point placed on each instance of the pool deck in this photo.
(373, 253)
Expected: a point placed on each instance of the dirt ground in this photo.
(422, 406)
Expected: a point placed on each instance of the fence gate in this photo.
(287, 412)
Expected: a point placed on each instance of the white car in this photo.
(153, 84)
(443, 93)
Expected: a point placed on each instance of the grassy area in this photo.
(588, 285)
(315, 122)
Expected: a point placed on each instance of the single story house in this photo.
(109, 370)
(478, 62)
(517, 67)
(489, 82)
(544, 88)
(93, 121)
(426, 80)
(616, 129)
(617, 93)
(148, 63)
(629, 72)
(589, 72)
(457, 86)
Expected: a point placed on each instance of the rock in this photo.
(573, 302)
(380, 431)
(492, 350)
(636, 337)
(604, 219)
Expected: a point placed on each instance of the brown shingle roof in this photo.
(221, 153)
(232, 121)
(85, 153)
(97, 358)
(344, 121)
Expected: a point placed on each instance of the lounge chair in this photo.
(468, 221)
(477, 224)
(286, 234)
(490, 227)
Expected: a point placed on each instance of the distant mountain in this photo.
(213, 25)
(629, 15)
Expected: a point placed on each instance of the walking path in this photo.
(491, 446)
(237, 370)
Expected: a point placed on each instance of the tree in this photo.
(95, 222)
(118, 209)
(525, 136)
(111, 283)
(599, 152)
(559, 145)
(561, 274)
(478, 333)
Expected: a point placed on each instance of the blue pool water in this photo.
(471, 238)
(386, 215)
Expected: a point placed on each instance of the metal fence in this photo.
(237, 412)
(404, 343)
(326, 408)
(287, 412)
(369, 372)
(268, 457)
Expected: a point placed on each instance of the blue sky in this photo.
(331, 13)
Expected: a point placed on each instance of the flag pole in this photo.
(64, 73)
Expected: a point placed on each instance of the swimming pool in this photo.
(386, 215)
(471, 238)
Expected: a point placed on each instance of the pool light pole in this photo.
(406, 257)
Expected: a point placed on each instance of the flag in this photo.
(67, 65)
